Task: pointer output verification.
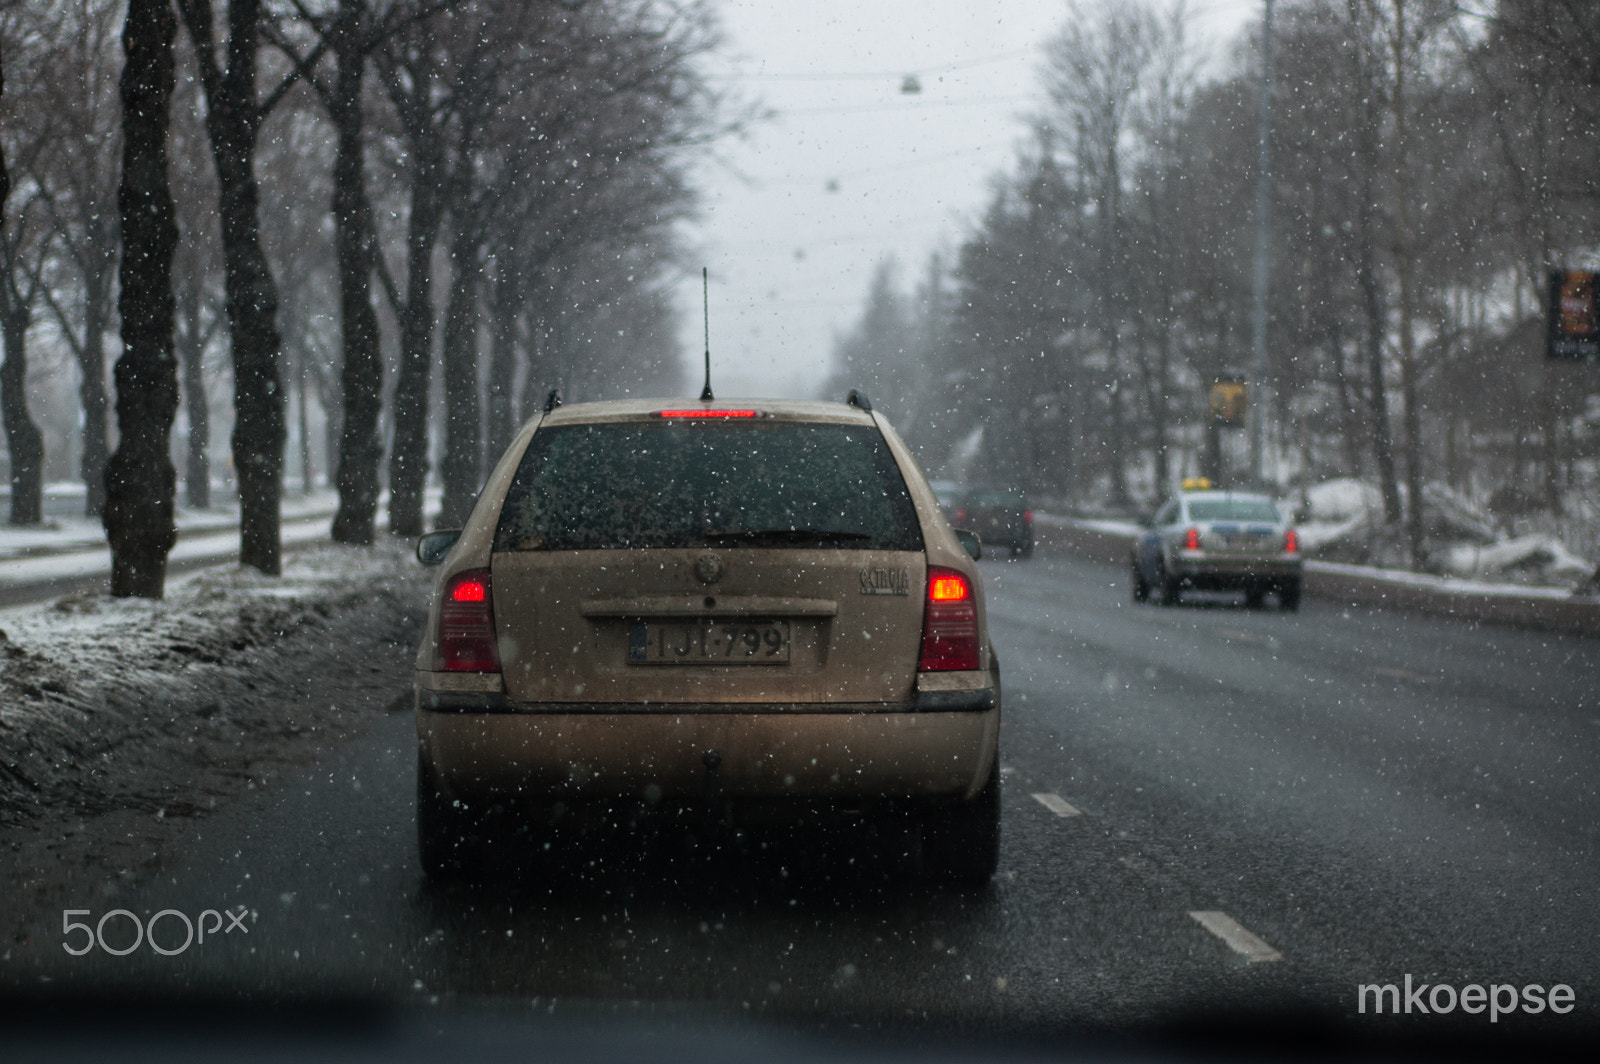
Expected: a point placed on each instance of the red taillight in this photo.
(949, 623)
(1191, 539)
(708, 413)
(961, 515)
(470, 589)
(1027, 516)
(1291, 541)
(466, 624)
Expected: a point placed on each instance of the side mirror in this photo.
(433, 547)
(970, 541)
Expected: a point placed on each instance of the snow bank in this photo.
(1336, 502)
(159, 706)
(1542, 558)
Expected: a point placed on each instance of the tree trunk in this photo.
(23, 439)
(233, 120)
(459, 468)
(504, 305)
(1377, 391)
(1550, 437)
(1349, 420)
(306, 477)
(1114, 258)
(1404, 270)
(360, 448)
(1161, 409)
(140, 479)
(530, 397)
(92, 391)
(1214, 471)
(191, 355)
(1119, 429)
(408, 464)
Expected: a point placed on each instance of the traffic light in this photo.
(1228, 400)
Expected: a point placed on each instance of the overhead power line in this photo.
(876, 75)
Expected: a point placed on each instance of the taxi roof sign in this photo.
(1196, 483)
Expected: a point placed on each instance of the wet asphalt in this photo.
(1360, 796)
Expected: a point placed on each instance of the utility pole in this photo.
(1258, 328)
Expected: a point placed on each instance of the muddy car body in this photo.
(657, 602)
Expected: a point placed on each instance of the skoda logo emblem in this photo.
(708, 568)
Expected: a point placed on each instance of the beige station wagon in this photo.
(752, 608)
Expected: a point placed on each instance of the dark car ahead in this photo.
(1000, 516)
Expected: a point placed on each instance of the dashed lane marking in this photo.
(1240, 940)
(1057, 805)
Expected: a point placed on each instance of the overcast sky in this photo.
(795, 216)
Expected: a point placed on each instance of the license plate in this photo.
(708, 643)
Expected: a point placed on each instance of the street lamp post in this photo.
(1258, 329)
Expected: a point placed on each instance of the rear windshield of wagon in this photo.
(690, 483)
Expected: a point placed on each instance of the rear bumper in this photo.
(565, 753)
(979, 701)
(1223, 572)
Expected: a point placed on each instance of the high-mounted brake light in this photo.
(949, 623)
(707, 413)
(1291, 541)
(466, 624)
(1191, 539)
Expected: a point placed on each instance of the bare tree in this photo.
(23, 249)
(196, 274)
(140, 479)
(592, 111)
(1095, 74)
(234, 113)
(79, 183)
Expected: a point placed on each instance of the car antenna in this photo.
(705, 304)
(552, 400)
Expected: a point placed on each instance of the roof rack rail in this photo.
(552, 400)
(858, 398)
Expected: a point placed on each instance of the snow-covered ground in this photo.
(124, 720)
(91, 686)
(72, 531)
(71, 548)
(1345, 524)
